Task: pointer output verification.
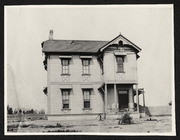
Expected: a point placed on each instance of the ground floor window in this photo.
(86, 98)
(65, 98)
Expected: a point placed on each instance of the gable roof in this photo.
(82, 46)
(124, 40)
(72, 46)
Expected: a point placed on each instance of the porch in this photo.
(120, 98)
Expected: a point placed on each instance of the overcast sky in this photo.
(26, 27)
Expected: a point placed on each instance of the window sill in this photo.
(87, 108)
(86, 74)
(65, 74)
(120, 71)
(65, 109)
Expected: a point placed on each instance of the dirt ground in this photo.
(156, 124)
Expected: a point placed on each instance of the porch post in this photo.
(105, 100)
(137, 98)
(131, 103)
(143, 101)
(104, 105)
(115, 97)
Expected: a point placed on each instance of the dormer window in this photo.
(120, 65)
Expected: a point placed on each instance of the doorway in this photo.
(123, 99)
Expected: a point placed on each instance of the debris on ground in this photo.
(150, 119)
(126, 119)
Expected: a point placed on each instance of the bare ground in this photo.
(157, 124)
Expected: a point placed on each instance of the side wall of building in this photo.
(130, 68)
(76, 80)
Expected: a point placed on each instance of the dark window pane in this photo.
(66, 106)
(86, 104)
(86, 62)
(65, 62)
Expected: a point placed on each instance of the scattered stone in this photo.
(151, 119)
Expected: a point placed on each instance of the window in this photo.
(86, 68)
(86, 97)
(65, 66)
(120, 67)
(65, 99)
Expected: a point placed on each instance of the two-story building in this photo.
(87, 78)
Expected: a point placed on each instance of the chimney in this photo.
(51, 35)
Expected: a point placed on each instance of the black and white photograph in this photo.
(89, 70)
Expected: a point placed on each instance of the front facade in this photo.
(90, 78)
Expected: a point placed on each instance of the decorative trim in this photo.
(65, 109)
(86, 86)
(121, 82)
(65, 74)
(120, 71)
(86, 74)
(65, 86)
(132, 44)
(87, 108)
(85, 57)
(120, 53)
(65, 56)
(76, 83)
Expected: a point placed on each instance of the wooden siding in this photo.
(76, 79)
(75, 70)
(130, 68)
(76, 100)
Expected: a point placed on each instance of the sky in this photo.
(148, 26)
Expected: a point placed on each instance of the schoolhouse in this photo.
(87, 79)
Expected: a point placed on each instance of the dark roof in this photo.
(80, 46)
(72, 46)
(132, 44)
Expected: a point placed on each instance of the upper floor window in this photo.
(65, 99)
(86, 97)
(120, 65)
(86, 66)
(65, 66)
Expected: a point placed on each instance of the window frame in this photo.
(86, 67)
(120, 64)
(65, 68)
(65, 98)
(86, 99)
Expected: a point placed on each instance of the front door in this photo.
(123, 99)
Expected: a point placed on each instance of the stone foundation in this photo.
(74, 117)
